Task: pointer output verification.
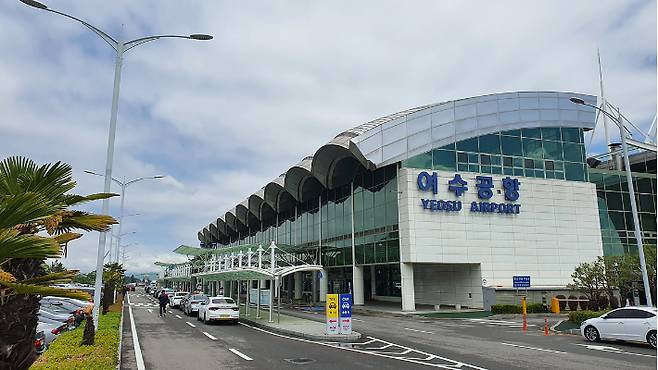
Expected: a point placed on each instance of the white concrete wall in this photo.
(557, 228)
(448, 284)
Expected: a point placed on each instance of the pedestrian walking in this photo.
(163, 298)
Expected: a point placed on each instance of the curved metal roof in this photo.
(402, 135)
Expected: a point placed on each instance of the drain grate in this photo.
(299, 361)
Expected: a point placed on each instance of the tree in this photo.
(57, 266)
(112, 278)
(36, 223)
(88, 279)
(589, 278)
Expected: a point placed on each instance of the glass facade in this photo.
(327, 222)
(552, 153)
(617, 226)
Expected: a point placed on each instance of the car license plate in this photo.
(224, 316)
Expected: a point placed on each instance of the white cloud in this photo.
(221, 118)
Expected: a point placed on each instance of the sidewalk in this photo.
(293, 326)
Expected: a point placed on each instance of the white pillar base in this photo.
(357, 285)
(408, 293)
(298, 285)
(324, 286)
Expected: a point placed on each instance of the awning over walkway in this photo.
(193, 251)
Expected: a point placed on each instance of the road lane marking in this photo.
(171, 311)
(450, 364)
(190, 324)
(240, 354)
(149, 310)
(419, 331)
(138, 351)
(613, 350)
(353, 319)
(209, 336)
(534, 348)
(178, 317)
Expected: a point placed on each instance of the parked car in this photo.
(177, 298)
(193, 303)
(51, 330)
(69, 320)
(633, 323)
(218, 308)
(40, 340)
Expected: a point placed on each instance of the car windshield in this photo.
(197, 297)
(223, 300)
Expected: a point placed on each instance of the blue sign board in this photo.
(521, 281)
(345, 312)
(485, 191)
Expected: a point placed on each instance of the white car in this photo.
(176, 299)
(633, 323)
(218, 308)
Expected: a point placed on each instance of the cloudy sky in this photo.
(221, 118)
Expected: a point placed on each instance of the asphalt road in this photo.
(388, 343)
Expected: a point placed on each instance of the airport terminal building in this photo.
(445, 203)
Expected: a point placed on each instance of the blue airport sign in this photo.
(521, 281)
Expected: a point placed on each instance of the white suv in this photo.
(218, 308)
(633, 323)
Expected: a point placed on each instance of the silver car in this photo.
(192, 304)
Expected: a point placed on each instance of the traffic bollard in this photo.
(545, 327)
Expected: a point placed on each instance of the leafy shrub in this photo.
(505, 308)
(573, 305)
(66, 353)
(536, 308)
(563, 304)
(577, 317)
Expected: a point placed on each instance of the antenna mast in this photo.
(604, 103)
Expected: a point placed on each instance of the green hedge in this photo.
(577, 317)
(66, 353)
(517, 308)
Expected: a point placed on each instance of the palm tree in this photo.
(35, 223)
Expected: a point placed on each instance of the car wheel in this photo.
(651, 338)
(592, 334)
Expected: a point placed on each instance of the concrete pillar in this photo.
(357, 285)
(290, 285)
(314, 287)
(324, 285)
(298, 285)
(408, 294)
(373, 283)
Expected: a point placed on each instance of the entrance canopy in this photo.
(244, 262)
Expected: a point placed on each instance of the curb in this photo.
(123, 306)
(343, 338)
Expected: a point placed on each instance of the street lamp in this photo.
(119, 47)
(123, 184)
(631, 191)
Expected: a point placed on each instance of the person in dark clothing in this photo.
(163, 298)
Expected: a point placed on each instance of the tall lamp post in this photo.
(120, 47)
(631, 192)
(123, 184)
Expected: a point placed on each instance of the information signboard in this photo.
(345, 313)
(332, 314)
(521, 281)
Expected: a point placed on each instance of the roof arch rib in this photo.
(214, 233)
(255, 201)
(301, 183)
(272, 189)
(328, 159)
